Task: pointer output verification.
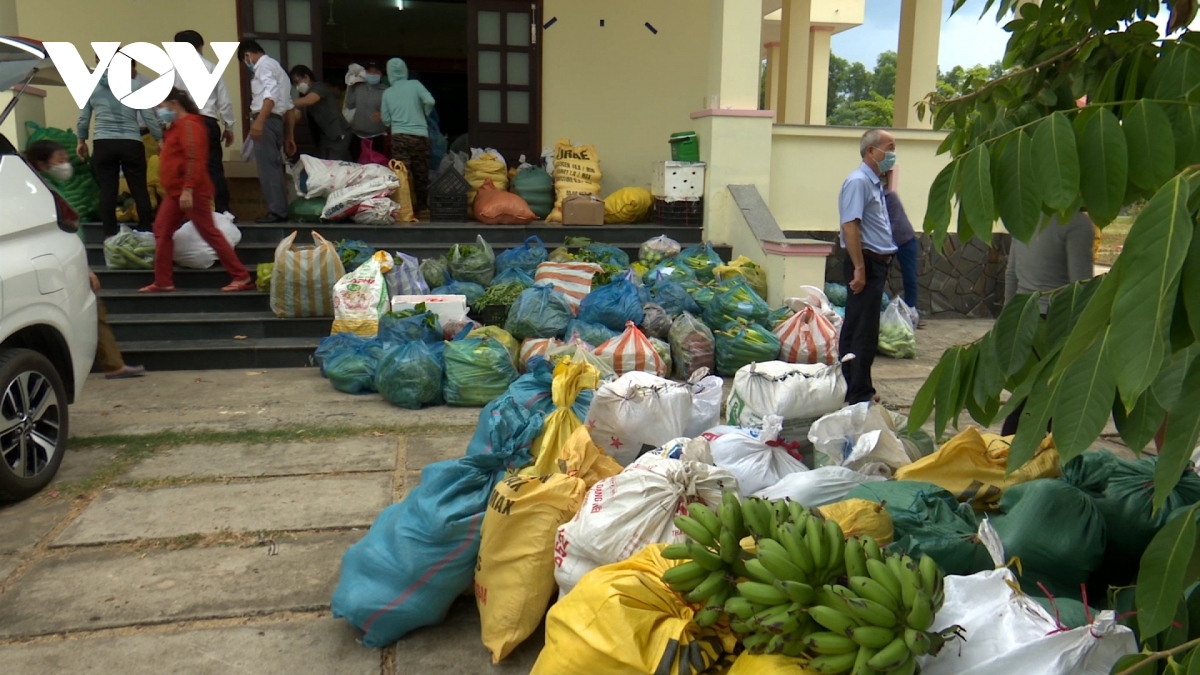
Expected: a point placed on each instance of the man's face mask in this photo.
(373, 78)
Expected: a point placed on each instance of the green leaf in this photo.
(1092, 320)
(1056, 161)
(1103, 166)
(1151, 263)
(1189, 284)
(1065, 308)
(1169, 383)
(1183, 431)
(1015, 331)
(975, 192)
(1191, 659)
(1031, 430)
(947, 390)
(989, 381)
(1160, 576)
(963, 228)
(1085, 400)
(1017, 188)
(1151, 151)
(922, 405)
(1185, 123)
(1129, 660)
(937, 212)
(1177, 73)
(1021, 391)
(966, 377)
(1138, 426)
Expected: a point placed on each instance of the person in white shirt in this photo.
(271, 99)
(218, 104)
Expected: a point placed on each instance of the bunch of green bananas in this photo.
(714, 554)
(879, 621)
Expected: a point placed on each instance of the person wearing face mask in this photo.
(184, 175)
(270, 100)
(366, 100)
(50, 159)
(118, 149)
(330, 129)
(866, 237)
(219, 105)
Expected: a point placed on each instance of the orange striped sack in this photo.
(573, 279)
(536, 347)
(632, 351)
(808, 337)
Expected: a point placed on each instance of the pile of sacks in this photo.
(364, 193)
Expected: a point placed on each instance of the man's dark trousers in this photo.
(216, 166)
(860, 331)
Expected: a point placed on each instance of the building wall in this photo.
(621, 87)
(82, 22)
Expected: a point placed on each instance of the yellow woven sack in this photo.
(503, 337)
(746, 268)
(570, 378)
(627, 205)
(858, 517)
(150, 145)
(484, 165)
(403, 195)
(972, 466)
(576, 172)
(768, 664)
(514, 579)
(157, 192)
(622, 618)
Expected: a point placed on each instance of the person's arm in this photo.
(289, 131)
(385, 113)
(194, 164)
(426, 99)
(851, 204)
(150, 117)
(351, 100)
(1081, 247)
(310, 99)
(225, 112)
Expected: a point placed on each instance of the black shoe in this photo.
(271, 218)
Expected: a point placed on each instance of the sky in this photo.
(966, 39)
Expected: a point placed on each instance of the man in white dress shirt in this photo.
(218, 103)
(270, 100)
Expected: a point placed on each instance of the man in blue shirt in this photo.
(866, 237)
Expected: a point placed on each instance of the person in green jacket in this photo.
(406, 103)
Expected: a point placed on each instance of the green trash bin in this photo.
(685, 147)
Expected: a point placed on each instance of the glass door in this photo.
(290, 32)
(504, 76)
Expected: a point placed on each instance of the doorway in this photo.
(480, 59)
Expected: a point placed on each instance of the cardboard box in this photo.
(583, 210)
(447, 307)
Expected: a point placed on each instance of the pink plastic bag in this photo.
(370, 154)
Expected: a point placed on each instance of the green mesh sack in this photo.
(81, 191)
(306, 210)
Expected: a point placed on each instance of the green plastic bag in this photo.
(410, 375)
(81, 192)
(435, 271)
(739, 301)
(929, 520)
(262, 277)
(475, 263)
(741, 344)
(1055, 530)
(477, 370)
(702, 260)
(306, 210)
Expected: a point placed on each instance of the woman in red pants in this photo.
(183, 173)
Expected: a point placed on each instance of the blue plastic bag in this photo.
(533, 391)
(836, 294)
(333, 343)
(671, 269)
(473, 291)
(353, 252)
(609, 255)
(702, 260)
(405, 277)
(612, 305)
(739, 301)
(513, 275)
(672, 297)
(351, 368)
(477, 371)
(539, 312)
(525, 257)
(420, 554)
(410, 374)
(397, 328)
(592, 333)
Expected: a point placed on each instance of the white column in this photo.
(772, 93)
(818, 73)
(793, 61)
(917, 60)
(733, 66)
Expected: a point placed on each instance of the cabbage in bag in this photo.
(477, 370)
(539, 312)
(422, 326)
(435, 271)
(352, 368)
(410, 375)
(475, 263)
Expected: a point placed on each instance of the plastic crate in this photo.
(679, 213)
(448, 208)
(685, 147)
(492, 315)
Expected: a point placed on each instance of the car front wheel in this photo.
(33, 423)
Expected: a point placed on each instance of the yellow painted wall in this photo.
(621, 87)
(809, 164)
(29, 108)
(82, 22)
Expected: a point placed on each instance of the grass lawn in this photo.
(1112, 239)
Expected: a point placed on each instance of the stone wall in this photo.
(962, 280)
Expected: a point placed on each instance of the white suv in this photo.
(47, 309)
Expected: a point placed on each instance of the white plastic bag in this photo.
(624, 513)
(794, 391)
(815, 298)
(706, 402)
(1009, 632)
(376, 211)
(193, 252)
(755, 456)
(405, 277)
(638, 413)
(323, 177)
(360, 297)
(858, 435)
(821, 486)
(348, 200)
(897, 331)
